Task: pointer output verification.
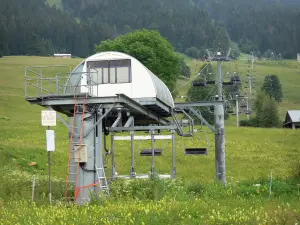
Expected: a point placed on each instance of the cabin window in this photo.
(110, 71)
(105, 76)
(122, 71)
(112, 75)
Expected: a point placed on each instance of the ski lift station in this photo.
(109, 93)
(110, 73)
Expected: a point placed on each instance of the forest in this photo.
(76, 26)
(259, 25)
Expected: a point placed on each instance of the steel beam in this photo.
(141, 137)
(134, 105)
(98, 122)
(181, 105)
(129, 121)
(202, 119)
(154, 101)
(142, 128)
(117, 121)
(70, 100)
(120, 99)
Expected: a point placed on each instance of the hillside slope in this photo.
(253, 151)
(252, 155)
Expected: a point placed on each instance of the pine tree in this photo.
(272, 87)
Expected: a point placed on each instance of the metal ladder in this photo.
(71, 163)
(72, 157)
(102, 181)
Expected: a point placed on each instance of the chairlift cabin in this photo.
(229, 108)
(107, 74)
(199, 150)
(236, 80)
(199, 84)
(243, 103)
(230, 83)
(211, 82)
(148, 152)
(202, 84)
(195, 151)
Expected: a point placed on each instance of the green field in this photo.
(251, 154)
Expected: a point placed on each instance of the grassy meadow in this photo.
(193, 198)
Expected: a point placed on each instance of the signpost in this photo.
(49, 119)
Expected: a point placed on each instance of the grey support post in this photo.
(98, 152)
(237, 110)
(247, 98)
(132, 171)
(152, 147)
(219, 132)
(87, 172)
(113, 167)
(173, 155)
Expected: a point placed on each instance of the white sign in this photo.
(50, 140)
(48, 118)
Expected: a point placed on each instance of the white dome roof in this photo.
(144, 84)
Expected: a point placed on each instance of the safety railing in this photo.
(48, 80)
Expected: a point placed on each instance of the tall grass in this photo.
(169, 201)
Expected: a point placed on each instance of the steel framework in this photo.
(113, 114)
